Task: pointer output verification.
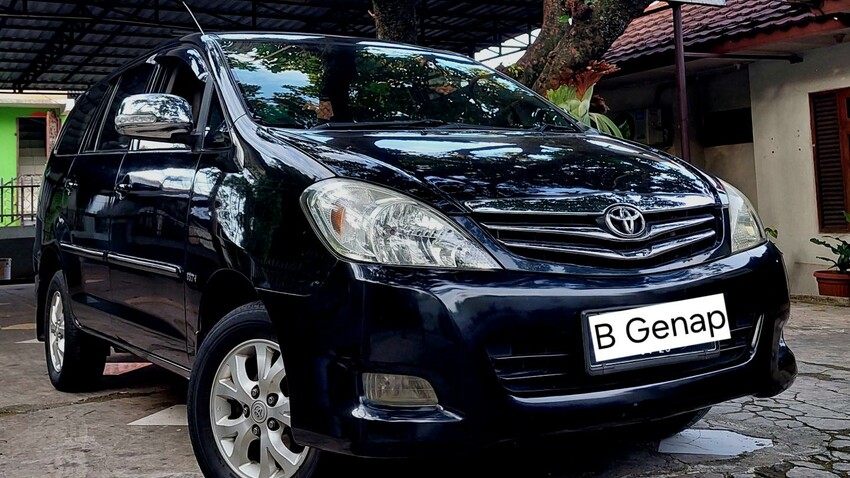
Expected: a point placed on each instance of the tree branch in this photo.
(574, 33)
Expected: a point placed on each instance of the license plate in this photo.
(691, 325)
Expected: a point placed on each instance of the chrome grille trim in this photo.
(654, 231)
(587, 240)
(583, 204)
(649, 252)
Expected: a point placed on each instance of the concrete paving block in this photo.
(810, 473)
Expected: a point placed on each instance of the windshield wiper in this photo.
(423, 123)
(554, 127)
(404, 124)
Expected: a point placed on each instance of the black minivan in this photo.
(361, 247)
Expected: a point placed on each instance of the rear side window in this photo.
(79, 120)
(132, 82)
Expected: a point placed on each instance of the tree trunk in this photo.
(395, 20)
(565, 47)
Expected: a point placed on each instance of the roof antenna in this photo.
(193, 18)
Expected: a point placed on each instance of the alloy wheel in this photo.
(56, 331)
(250, 413)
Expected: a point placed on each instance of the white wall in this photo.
(735, 164)
(783, 152)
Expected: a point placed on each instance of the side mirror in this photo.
(154, 116)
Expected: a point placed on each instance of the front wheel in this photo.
(238, 405)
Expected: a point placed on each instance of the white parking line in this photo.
(27, 326)
(171, 416)
(712, 442)
(30, 341)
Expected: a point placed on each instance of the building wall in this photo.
(734, 163)
(783, 152)
(723, 90)
(9, 115)
(8, 137)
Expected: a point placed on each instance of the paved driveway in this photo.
(135, 426)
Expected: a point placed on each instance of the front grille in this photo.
(584, 239)
(536, 368)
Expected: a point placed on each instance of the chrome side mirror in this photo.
(154, 116)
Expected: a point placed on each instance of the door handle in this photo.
(69, 185)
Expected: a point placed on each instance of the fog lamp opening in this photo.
(390, 390)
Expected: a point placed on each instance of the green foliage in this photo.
(841, 249)
(566, 97)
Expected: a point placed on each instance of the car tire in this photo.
(237, 428)
(75, 360)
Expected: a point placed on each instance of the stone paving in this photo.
(45, 433)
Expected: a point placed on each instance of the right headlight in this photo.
(745, 225)
(368, 223)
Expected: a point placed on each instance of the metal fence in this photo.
(19, 200)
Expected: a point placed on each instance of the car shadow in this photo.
(565, 457)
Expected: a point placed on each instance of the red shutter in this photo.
(832, 146)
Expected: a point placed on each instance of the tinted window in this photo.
(77, 123)
(302, 84)
(133, 82)
(177, 78)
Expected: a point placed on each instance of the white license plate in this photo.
(658, 328)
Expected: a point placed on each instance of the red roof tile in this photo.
(653, 33)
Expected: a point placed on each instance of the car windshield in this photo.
(308, 84)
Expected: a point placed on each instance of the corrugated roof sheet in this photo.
(68, 44)
(64, 44)
(653, 33)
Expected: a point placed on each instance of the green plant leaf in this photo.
(605, 125)
(566, 97)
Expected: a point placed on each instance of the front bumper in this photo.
(455, 329)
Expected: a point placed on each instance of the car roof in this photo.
(312, 38)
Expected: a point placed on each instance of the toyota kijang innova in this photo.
(361, 247)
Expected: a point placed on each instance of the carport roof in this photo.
(68, 45)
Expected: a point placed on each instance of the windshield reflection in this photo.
(304, 84)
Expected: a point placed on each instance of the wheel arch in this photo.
(49, 262)
(225, 291)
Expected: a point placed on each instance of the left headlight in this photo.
(368, 223)
(746, 228)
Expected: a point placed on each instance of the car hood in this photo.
(516, 170)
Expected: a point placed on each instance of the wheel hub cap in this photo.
(259, 412)
(236, 414)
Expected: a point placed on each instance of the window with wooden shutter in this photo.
(831, 133)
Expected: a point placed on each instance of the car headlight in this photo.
(745, 224)
(368, 223)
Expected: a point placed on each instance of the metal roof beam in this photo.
(63, 39)
(97, 50)
(153, 36)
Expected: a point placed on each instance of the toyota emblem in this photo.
(625, 221)
(258, 411)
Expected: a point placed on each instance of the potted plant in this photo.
(835, 283)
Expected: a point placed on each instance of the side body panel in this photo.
(148, 251)
(90, 209)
